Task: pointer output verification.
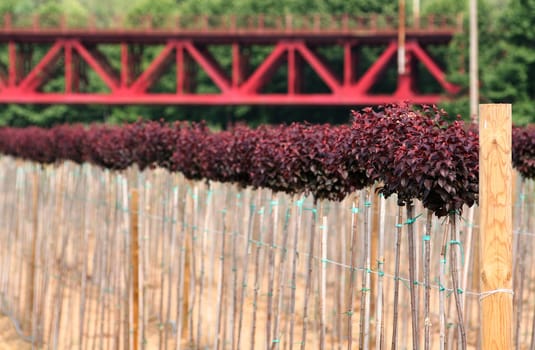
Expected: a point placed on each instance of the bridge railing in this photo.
(234, 23)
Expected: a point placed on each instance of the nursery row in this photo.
(413, 153)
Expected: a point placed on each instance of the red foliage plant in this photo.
(412, 153)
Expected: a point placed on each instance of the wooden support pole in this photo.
(495, 200)
(31, 275)
(134, 251)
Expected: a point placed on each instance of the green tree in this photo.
(509, 73)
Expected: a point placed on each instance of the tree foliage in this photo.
(507, 57)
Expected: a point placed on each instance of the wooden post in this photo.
(495, 200)
(134, 253)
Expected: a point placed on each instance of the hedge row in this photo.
(412, 153)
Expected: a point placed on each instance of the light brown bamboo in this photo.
(134, 251)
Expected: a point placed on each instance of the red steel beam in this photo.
(180, 70)
(210, 66)
(294, 71)
(350, 63)
(319, 67)
(235, 87)
(125, 65)
(41, 71)
(433, 68)
(68, 67)
(110, 81)
(372, 74)
(156, 68)
(338, 99)
(266, 69)
(12, 70)
(238, 65)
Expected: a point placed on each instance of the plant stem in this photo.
(412, 275)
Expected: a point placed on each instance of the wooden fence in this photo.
(91, 258)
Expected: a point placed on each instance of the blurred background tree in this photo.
(507, 57)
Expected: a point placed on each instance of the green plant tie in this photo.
(427, 238)
(368, 204)
(456, 242)
(355, 210)
(412, 220)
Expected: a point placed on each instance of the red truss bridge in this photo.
(39, 49)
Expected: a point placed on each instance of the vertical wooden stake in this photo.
(134, 251)
(495, 200)
(31, 275)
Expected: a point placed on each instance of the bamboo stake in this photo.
(257, 278)
(221, 287)
(202, 271)
(234, 282)
(192, 254)
(468, 261)
(323, 280)
(442, 291)
(252, 209)
(412, 276)
(134, 243)
(309, 277)
(379, 325)
(396, 281)
(271, 268)
(495, 199)
(520, 265)
(170, 262)
(365, 291)
(187, 269)
(182, 293)
(293, 287)
(455, 281)
(352, 280)
(342, 290)
(427, 280)
(31, 275)
(282, 275)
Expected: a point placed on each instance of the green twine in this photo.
(426, 237)
(412, 220)
(456, 242)
(275, 341)
(313, 210)
(354, 210)
(368, 204)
